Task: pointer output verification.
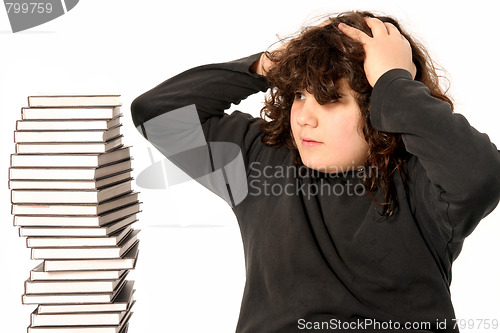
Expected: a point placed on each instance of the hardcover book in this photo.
(102, 252)
(69, 160)
(68, 124)
(127, 261)
(77, 319)
(57, 242)
(77, 231)
(122, 302)
(107, 112)
(83, 298)
(75, 209)
(72, 287)
(46, 136)
(71, 196)
(38, 274)
(69, 148)
(76, 221)
(68, 173)
(74, 100)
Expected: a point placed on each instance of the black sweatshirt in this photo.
(318, 256)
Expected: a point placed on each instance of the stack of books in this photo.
(72, 198)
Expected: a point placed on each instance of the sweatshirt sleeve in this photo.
(184, 118)
(212, 88)
(455, 170)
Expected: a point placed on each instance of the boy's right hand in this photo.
(386, 50)
(264, 64)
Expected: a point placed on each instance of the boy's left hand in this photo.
(386, 50)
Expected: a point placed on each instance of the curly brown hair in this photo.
(315, 61)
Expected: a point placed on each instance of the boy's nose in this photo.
(308, 115)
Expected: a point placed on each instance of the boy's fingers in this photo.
(391, 29)
(325, 22)
(378, 27)
(354, 33)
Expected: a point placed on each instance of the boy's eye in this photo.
(299, 95)
(337, 98)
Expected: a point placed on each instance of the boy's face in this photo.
(335, 129)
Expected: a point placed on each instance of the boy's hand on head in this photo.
(386, 50)
(264, 64)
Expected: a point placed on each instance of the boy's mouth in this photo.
(309, 142)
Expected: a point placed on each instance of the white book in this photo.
(122, 302)
(83, 298)
(77, 319)
(69, 148)
(71, 287)
(77, 232)
(75, 209)
(68, 124)
(71, 196)
(56, 242)
(108, 252)
(38, 274)
(75, 221)
(122, 328)
(69, 160)
(126, 262)
(107, 112)
(70, 173)
(70, 184)
(62, 136)
(74, 100)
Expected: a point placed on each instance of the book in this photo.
(121, 328)
(77, 319)
(69, 160)
(77, 231)
(103, 252)
(74, 100)
(75, 209)
(83, 298)
(69, 148)
(108, 112)
(126, 262)
(68, 124)
(71, 196)
(75, 221)
(67, 135)
(122, 302)
(55, 242)
(38, 274)
(71, 287)
(79, 173)
(71, 184)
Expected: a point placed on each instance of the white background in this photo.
(190, 274)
